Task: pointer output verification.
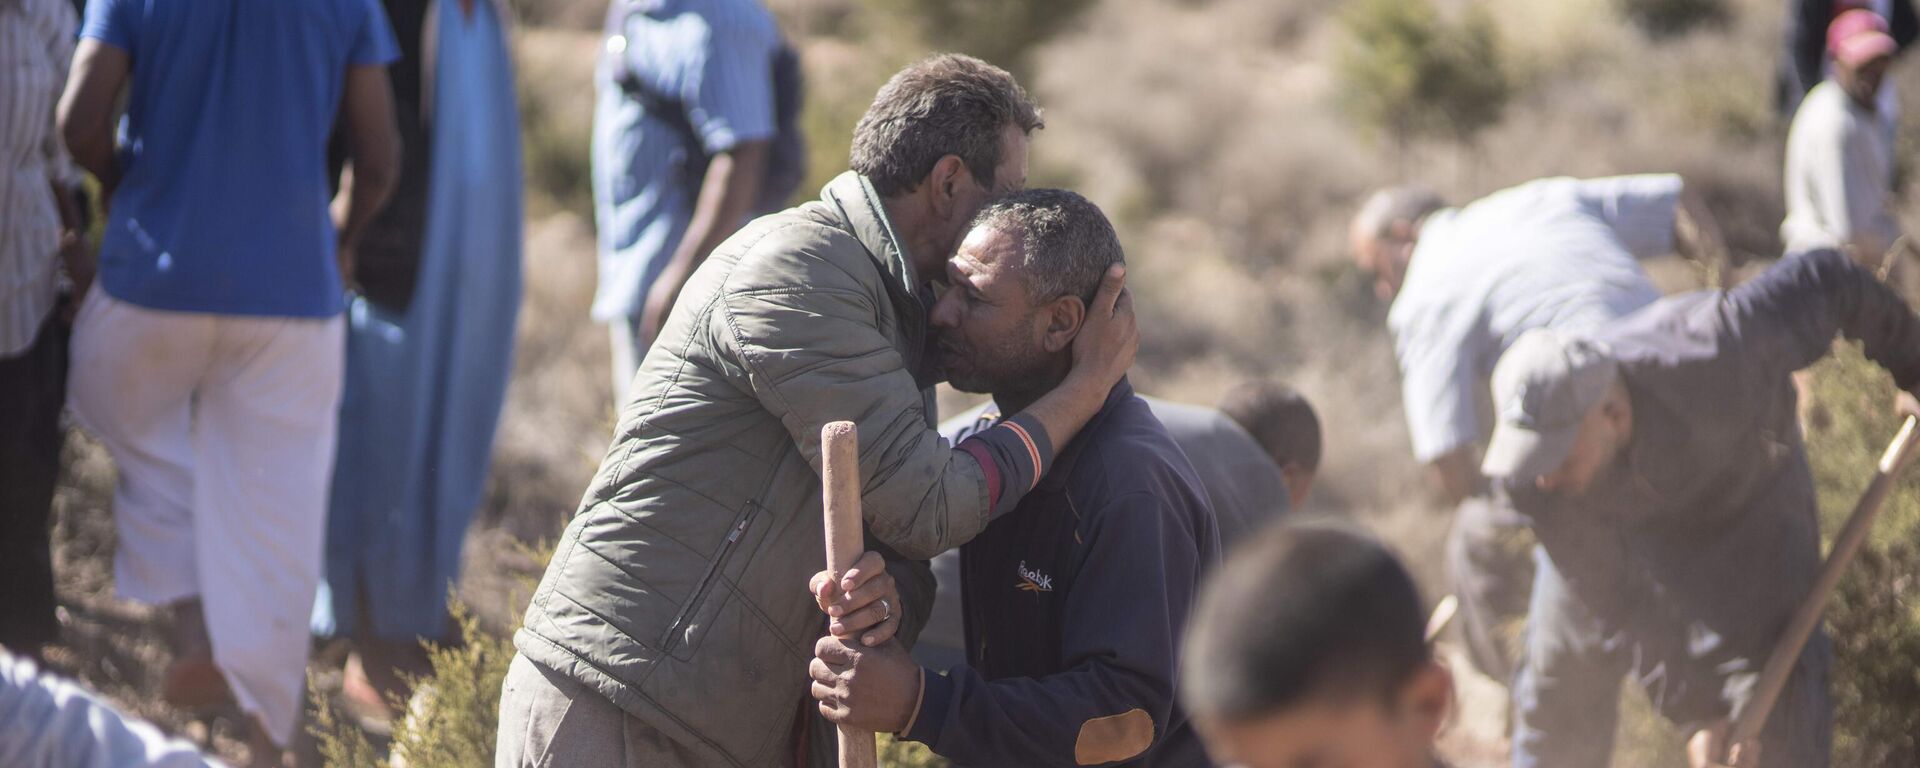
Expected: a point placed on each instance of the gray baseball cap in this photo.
(1542, 389)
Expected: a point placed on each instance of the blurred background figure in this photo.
(1308, 648)
(40, 232)
(1840, 163)
(208, 356)
(692, 135)
(1463, 284)
(1803, 60)
(1282, 421)
(429, 347)
(47, 722)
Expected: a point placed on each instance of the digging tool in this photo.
(1773, 677)
(840, 490)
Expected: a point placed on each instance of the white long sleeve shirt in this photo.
(1839, 177)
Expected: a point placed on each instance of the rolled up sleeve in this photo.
(729, 99)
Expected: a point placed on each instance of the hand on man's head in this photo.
(1110, 337)
(870, 688)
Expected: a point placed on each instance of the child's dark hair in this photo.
(1302, 611)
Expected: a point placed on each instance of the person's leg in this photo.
(1490, 562)
(624, 333)
(263, 443)
(131, 385)
(33, 389)
(548, 720)
(1566, 695)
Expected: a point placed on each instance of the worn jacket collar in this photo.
(859, 206)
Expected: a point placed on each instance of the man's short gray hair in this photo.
(1409, 203)
(946, 105)
(1066, 243)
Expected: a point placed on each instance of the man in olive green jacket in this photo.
(673, 626)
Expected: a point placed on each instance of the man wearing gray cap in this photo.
(1658, 459)
(1464, 283)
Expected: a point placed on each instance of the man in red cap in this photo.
(1839, 176)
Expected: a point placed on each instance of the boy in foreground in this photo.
(1308, 651)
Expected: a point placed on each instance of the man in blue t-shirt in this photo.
(681, 137)
(208, 355)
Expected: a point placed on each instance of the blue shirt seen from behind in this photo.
(222, 203)
(715, 59)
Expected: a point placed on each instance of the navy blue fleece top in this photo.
(1075, 603)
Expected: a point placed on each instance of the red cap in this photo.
(1859, 36)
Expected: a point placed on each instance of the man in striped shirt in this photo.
(38, 228)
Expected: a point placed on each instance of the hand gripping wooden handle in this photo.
(840, 489)
(1773, 677)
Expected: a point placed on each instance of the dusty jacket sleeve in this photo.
(1792, 313)
(814, 353)
(1124, 615)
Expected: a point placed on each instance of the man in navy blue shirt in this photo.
(1660, 461)
(1076, 600)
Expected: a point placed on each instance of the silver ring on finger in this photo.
(886, 610)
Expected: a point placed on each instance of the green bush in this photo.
(1413, 74)
(1874, 618)
(450, 721)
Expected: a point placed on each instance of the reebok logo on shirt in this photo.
(1032, 580)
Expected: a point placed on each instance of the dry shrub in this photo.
(451, 720)
(1671, 18)
(554, 80)
(1412, 73)
(999, 31)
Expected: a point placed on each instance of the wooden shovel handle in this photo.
(1773, 677)
(840, 489)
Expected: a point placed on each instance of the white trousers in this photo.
(222, 428)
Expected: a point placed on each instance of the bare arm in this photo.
(1454, 475)
(727, 195)
(373, 156)
(73, 252)
(86, 110)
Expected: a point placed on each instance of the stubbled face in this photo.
(1324, 735)
(989, 331)
(1595, 449)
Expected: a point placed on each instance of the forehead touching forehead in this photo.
(1064, 244)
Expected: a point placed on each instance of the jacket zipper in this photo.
(675, 631)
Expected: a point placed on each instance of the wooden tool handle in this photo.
(1773, 677)
(840, 489)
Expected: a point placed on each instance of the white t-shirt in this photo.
(1554, 253)
(1839, 176)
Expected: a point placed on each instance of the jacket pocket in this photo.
(677, 631)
